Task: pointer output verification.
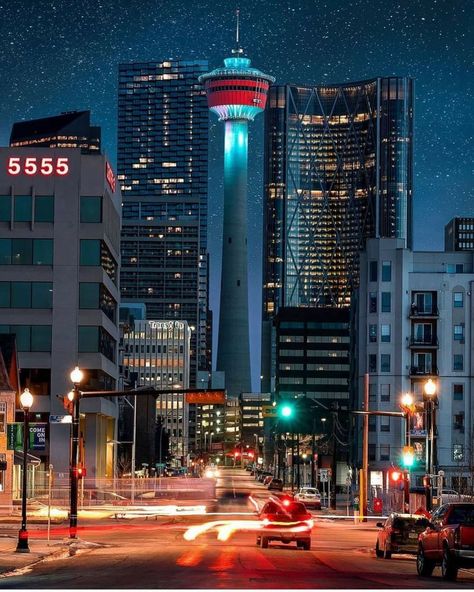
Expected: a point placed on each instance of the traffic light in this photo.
(285, 410)
(408, 456)
(80, 472)
(395, 475)
(68, 404)
(378, 506)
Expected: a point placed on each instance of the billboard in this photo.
(37, 439)
(215, 397)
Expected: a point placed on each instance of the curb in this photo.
(68, 549)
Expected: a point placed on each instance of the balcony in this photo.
(428, 312)
(424, 342)
(423, 371)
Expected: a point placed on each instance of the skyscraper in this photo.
(338, 169)
(71, 129)
(162, 168)
(236, 93)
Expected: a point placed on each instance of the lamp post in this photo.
(26, 401)
(430, 392)
(76, 378)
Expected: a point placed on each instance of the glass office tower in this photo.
(162, 168)
(338, 169)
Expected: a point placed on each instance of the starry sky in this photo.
(62, 55)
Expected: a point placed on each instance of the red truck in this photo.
(447, 541)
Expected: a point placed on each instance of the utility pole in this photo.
(363, 481)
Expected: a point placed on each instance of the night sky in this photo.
(57, 56)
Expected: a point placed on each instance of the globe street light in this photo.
(26, 401)
(430, 392)
(76, 378)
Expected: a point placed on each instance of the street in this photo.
(143, 553)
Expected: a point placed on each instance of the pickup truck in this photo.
(447, 541)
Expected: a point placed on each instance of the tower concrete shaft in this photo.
(233, 354)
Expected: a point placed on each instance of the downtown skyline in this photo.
(56, 58)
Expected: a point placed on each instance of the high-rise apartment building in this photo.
(59, 267)
(415, 323)
(162, 168)
(459, 234)
(71, 129)
(338, 169)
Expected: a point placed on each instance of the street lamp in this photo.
(430, 392)
(76, 378)
(26, 401)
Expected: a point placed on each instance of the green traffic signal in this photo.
(286, 411)
(408, 456)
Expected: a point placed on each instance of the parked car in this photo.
(309, 496)
(448, 496)
(275, 484)
(399, 534)
(447, 541)
(262, 476)
(286, 523)
(266, 481)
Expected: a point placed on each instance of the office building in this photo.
(251, 414)
(162, 168)
(59, 263)
(338, 169)
(236, 93)
(157, 354)
(71, 129)
(415, 323)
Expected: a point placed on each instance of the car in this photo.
(399, 534)
(310, 496)
(262, 476)
(275, 484)
(450, 495)
(285, 523)
(211, 472)
(267, 479)
(448, 540)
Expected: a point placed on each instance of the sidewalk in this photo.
(39, 550)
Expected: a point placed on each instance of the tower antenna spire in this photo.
(238, 49)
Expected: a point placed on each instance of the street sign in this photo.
(60, 419)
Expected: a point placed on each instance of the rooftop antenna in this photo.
(239, 50)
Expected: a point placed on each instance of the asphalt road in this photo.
(149, 554)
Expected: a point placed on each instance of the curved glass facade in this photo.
(338, 170)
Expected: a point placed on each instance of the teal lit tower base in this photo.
(236, 93)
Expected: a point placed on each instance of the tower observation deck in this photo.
(236, 93)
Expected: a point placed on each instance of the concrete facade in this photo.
(415, 322)
(59, 266)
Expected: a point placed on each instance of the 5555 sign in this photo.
(31, 166)
(37, 434)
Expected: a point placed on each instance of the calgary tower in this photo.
(236, 93)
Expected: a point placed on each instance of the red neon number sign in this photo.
(38, 166)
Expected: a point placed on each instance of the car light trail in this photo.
(226, 528)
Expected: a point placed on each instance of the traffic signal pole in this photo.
(363, 482)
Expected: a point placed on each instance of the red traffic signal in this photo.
(80, 472)
(395, 475)
(378, 505)
(68, 404)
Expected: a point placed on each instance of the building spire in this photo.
(238, 49)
